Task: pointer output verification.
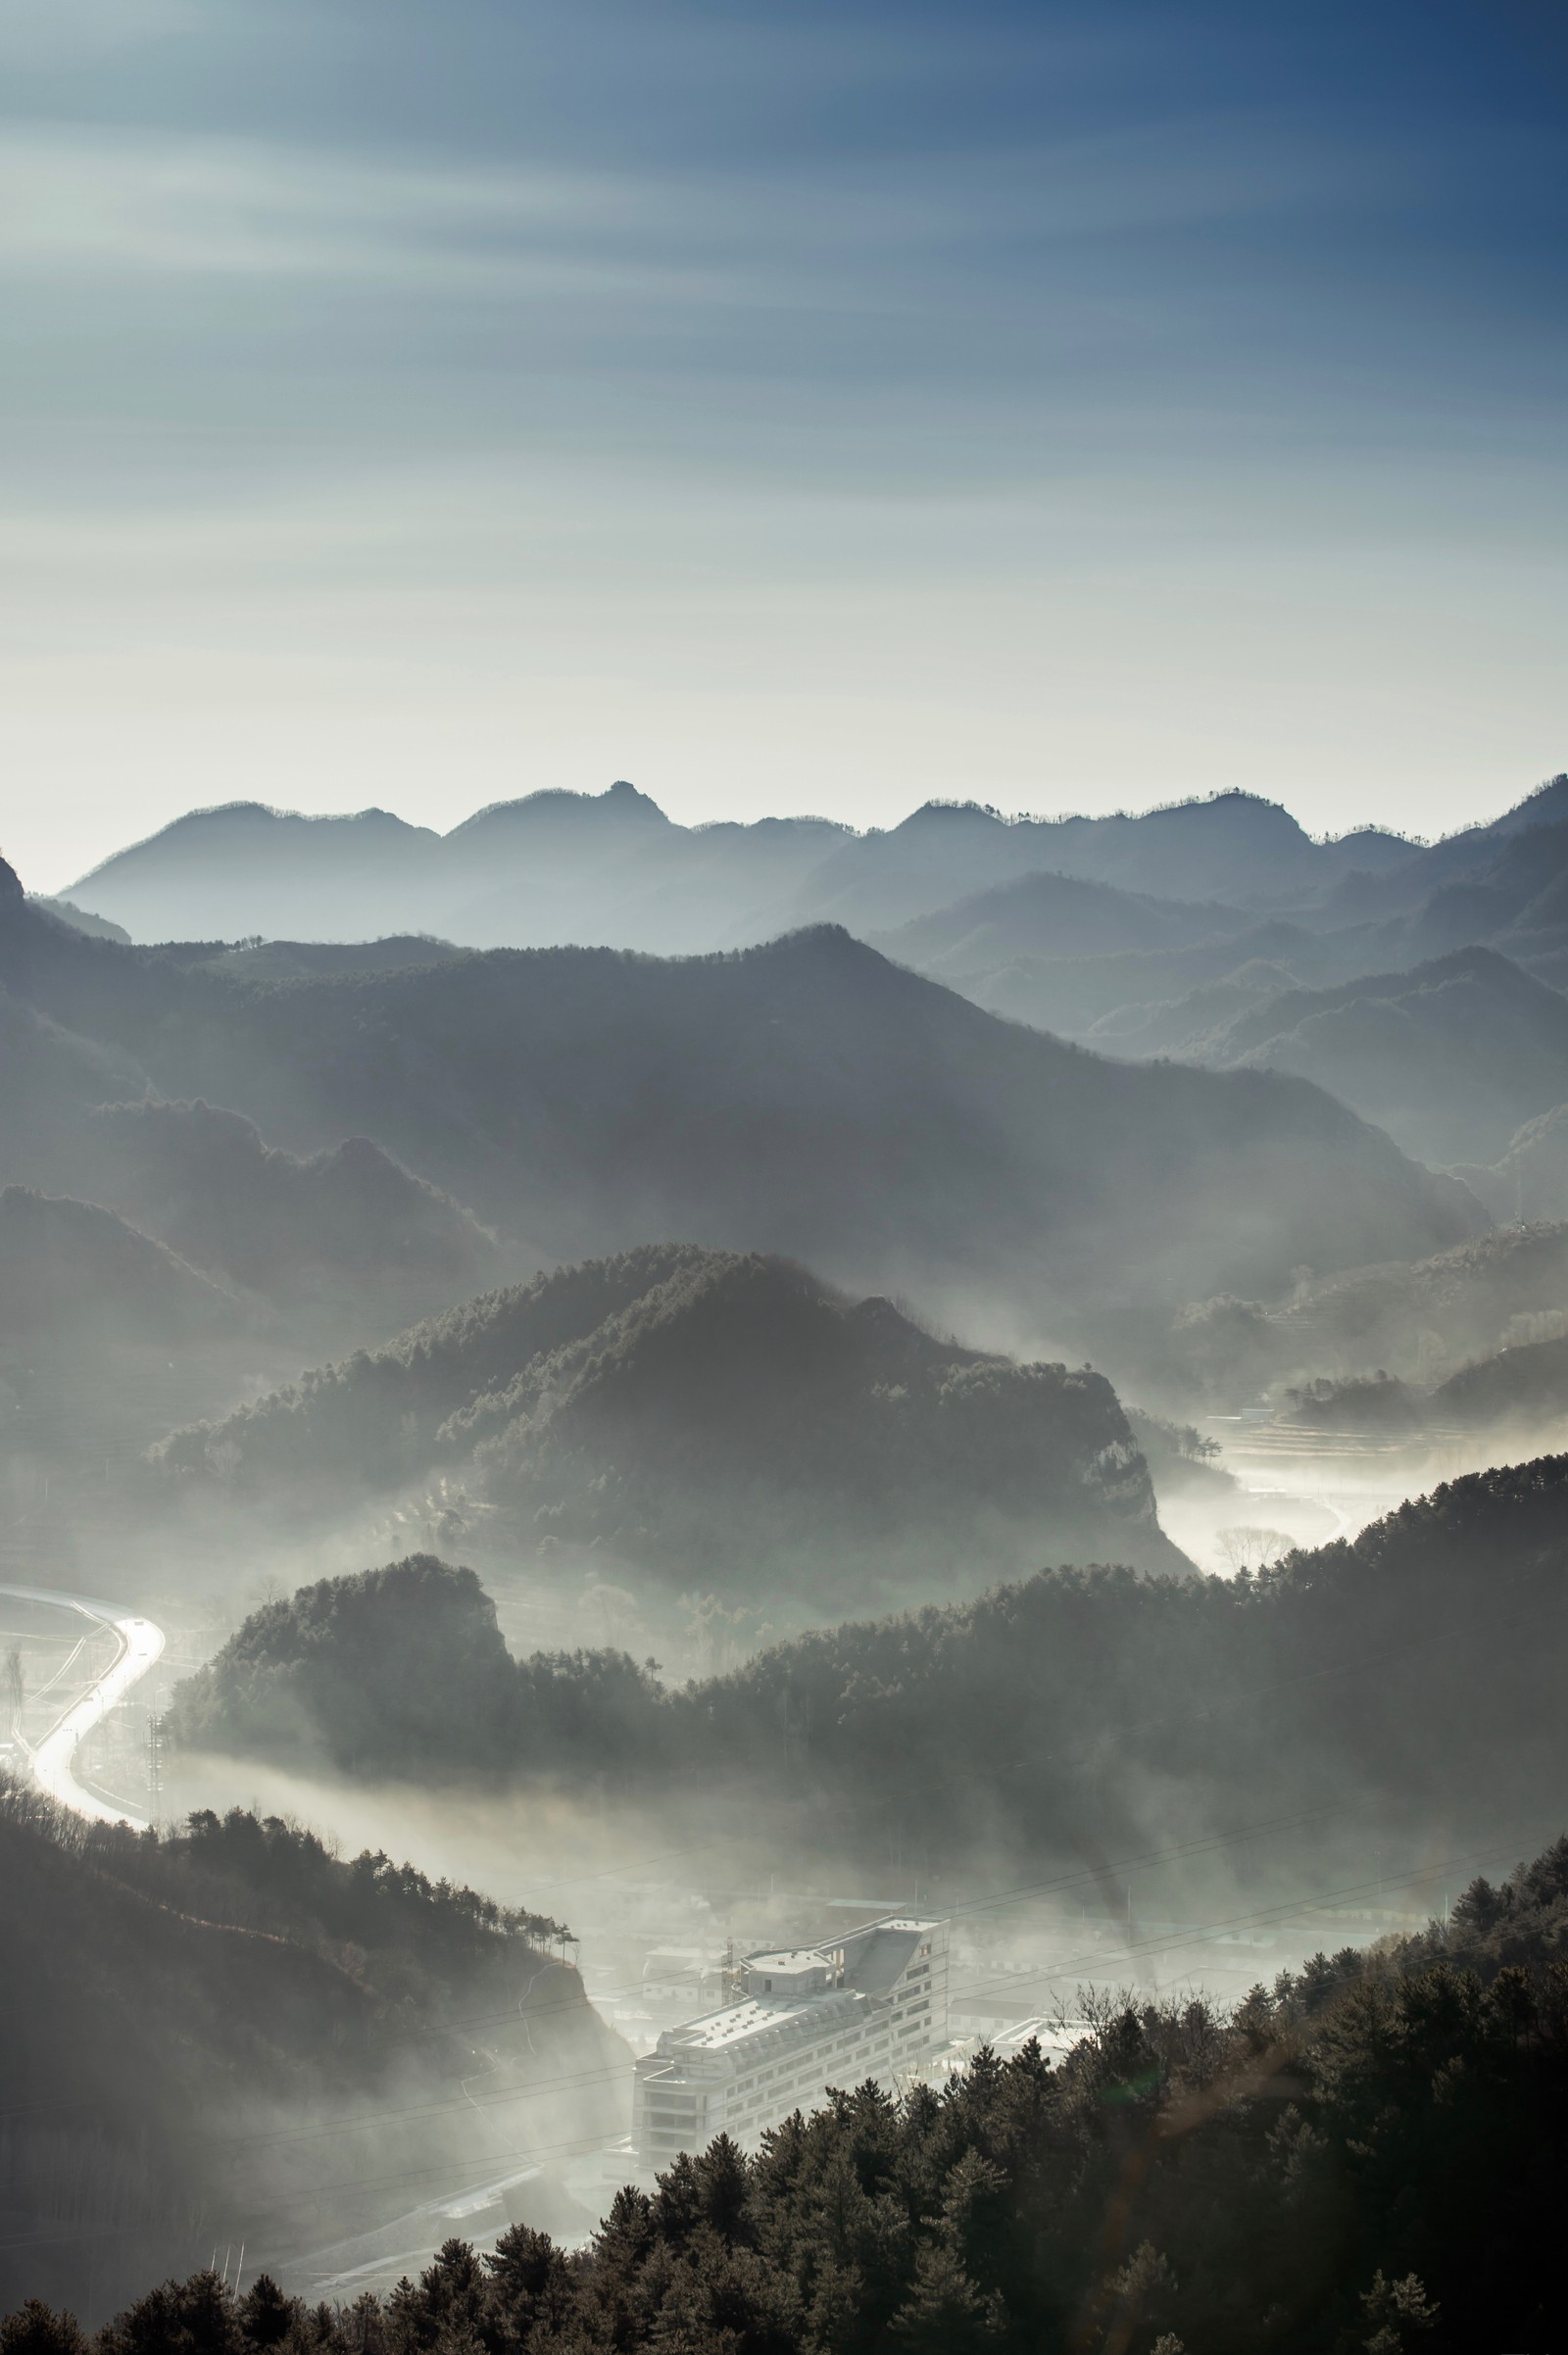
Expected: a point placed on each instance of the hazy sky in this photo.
(786, 405)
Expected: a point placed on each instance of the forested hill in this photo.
(203, 2025)
(808, 1097)
(715, 1413)
(1426, 1317)
(1413, 1676)
(1369, 2155)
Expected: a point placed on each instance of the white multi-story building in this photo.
(873, 2003)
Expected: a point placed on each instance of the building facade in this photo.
(873, 2003)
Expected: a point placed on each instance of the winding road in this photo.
(53, 1758)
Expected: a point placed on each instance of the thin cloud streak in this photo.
(71, 195)
(1171, 398)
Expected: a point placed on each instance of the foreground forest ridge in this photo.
(1367, 2155)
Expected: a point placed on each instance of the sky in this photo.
(790, 406)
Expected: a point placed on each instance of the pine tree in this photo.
(946, 2313)
(36, 2329)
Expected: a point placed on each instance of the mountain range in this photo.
(611, 868)
(1419, 983)
(808, 1097)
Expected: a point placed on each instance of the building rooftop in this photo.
(873, 1958)
(783, 2018)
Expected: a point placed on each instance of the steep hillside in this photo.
(1370, 2154)
(228, 2032)
(66, 912)
(718, 1415)
(49, 1078)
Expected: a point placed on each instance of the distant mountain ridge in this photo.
(1450, 1056)
(559, 868)
(806, 1097)
(1420, 1320)
(1054, 914)
(1169, 969)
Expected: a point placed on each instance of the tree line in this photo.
(1371, 2155)
(1415, 1671)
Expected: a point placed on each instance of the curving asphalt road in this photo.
(140, 1645)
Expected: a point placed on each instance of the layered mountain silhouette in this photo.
(714, 1413)
(1056, 916)
(808, 1097)
(1514, 1396)
(1450, 1056)
(557, 868)
(561, 867)
(1160, 972)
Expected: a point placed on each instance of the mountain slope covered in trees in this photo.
(1421, 1320)
(229, 2023)
(719, 1415)
(1409, 1677)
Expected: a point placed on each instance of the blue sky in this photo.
(787, 407)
